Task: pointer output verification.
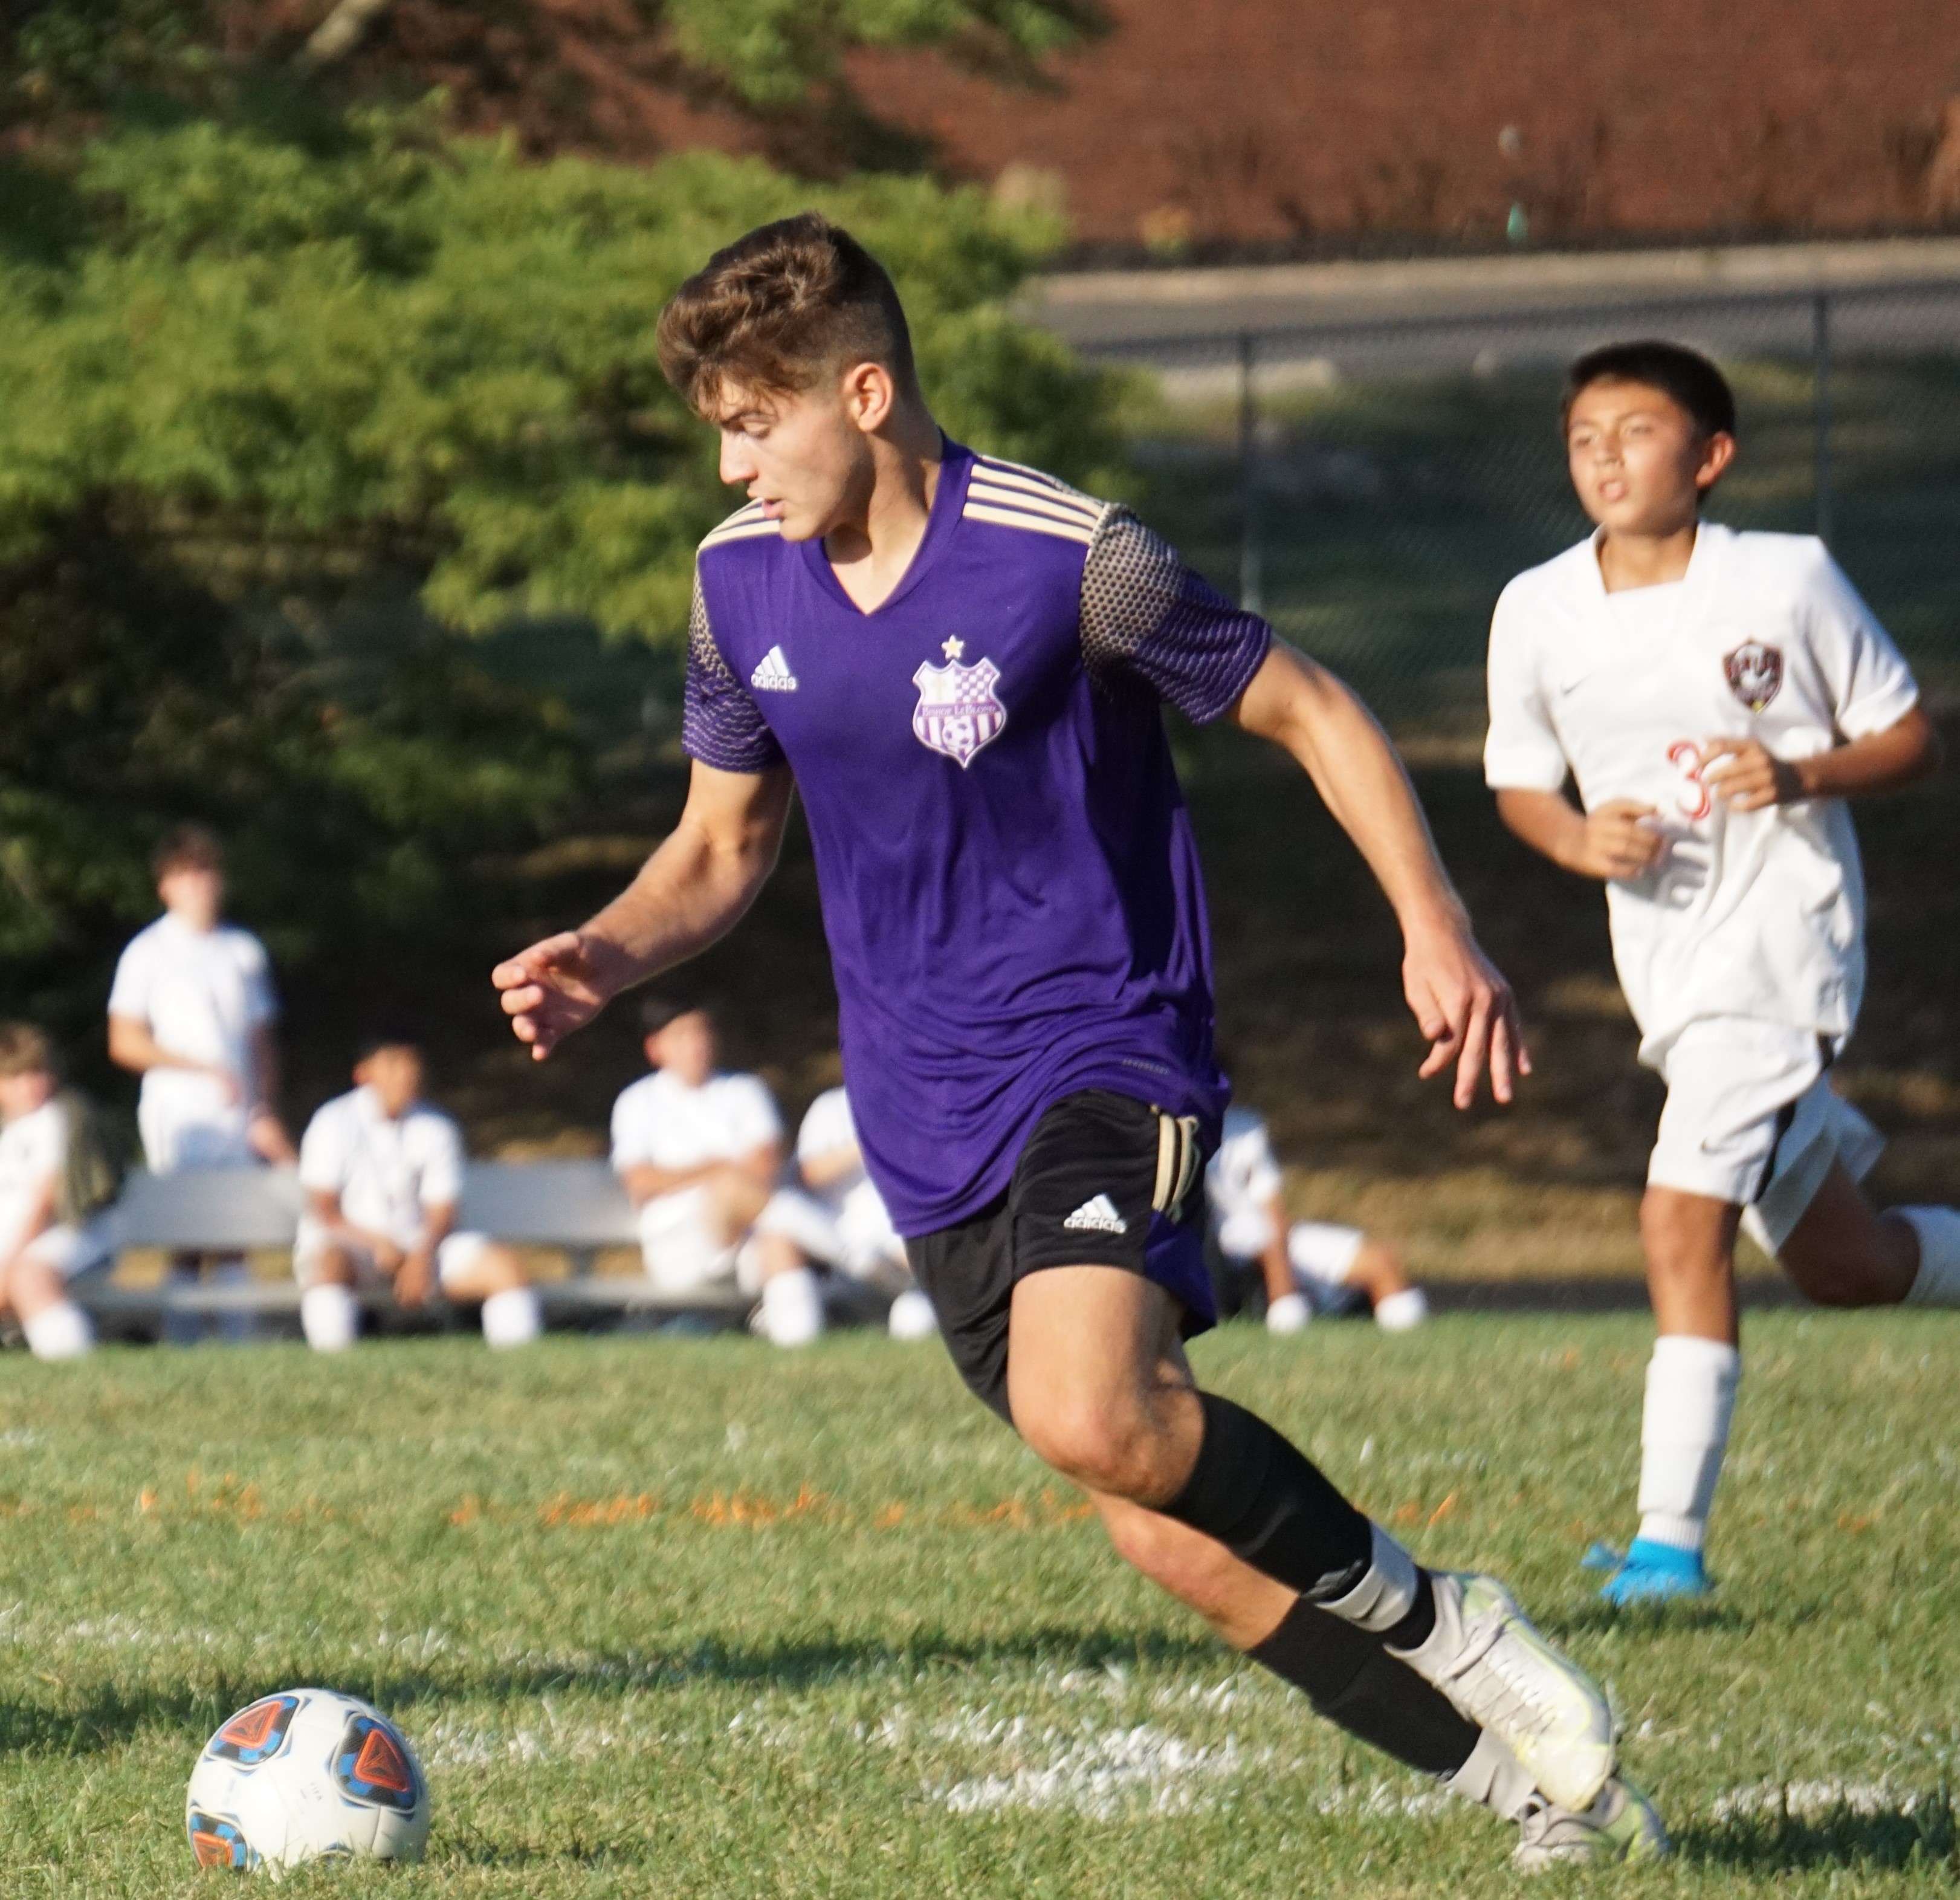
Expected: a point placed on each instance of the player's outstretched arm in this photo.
(1461, 1004)
(1749, 777)
(690, 892)
(1617, 839)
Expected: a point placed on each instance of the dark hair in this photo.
(187, 847)
(780, 307)
(656, 1012)
(25, 1050)
(1677, 371)
(377, 1036)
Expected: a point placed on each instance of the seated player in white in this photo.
(1715, 698)
(382, 1172)
(43, 1244)
(836, 1218)
(699, 1153)
(1309, 1268)
(192, 1011)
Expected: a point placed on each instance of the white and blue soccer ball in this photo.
(304, 1775)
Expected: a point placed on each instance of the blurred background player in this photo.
(837, 1218)
(192, 1011)
(699, 1153)
(1716, 697)
(382, 1172)
(46, 1238)
(1306, 1269)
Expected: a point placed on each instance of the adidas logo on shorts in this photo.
(1097, 1214)
(772, 673)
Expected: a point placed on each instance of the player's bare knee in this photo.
(1678, 1239)
(333, 1268)
(1116, 1449)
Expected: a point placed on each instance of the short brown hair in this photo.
(187, 848)
(777, 309)
(25, 1050)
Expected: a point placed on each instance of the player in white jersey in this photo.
(699, 1152)
(382, 1171)
(192, 1011)
(1309, 1268)
(1715, 698)
(835, 1217)
(44, 1244)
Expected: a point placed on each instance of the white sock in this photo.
(1684, 1432)
(1400, 1311)
(912, 1316)
(1384, 1596)
(1493, 1778)
(1937, 1283)
(60, 1331)
(1288, 1313)
(512, 1318)
(792, 1308)
(330, 1318)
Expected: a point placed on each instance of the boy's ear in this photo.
(1716, 454)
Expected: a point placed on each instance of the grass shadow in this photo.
(1919, 1835)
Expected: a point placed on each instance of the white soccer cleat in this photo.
(1620, 1826)
(1289, 1313)
(1500, 1673)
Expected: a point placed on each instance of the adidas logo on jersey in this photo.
(1097, 1214)
(773, 674)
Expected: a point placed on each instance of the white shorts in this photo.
(685, 1254)
(173, 1138)
(857, 1239)
(1752, 1119)
(70, 1251)
(455, 1255)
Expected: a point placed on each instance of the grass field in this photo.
(690, 1618)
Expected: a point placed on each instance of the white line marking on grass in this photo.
(1813, 1800)
(1102, 1775)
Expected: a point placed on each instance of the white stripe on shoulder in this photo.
(738, 529)
(1018, 475)
(1034, 523)
(1054, 507)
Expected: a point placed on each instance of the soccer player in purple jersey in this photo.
(959, 664)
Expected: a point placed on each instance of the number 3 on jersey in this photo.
(1694, 798)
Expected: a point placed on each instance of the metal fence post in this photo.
(1251, 590)
(1820, 355)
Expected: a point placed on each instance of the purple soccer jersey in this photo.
(1009, 882)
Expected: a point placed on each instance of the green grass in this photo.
(690, 1619)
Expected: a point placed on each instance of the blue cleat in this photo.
(1601, 1555)
(1656, 1573)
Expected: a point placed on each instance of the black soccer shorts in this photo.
(1097, 1185)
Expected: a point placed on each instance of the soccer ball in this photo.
(302, 1775)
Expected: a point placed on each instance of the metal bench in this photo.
(577, 1208)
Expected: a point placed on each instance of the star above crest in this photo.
(954, 648)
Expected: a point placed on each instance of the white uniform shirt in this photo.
(388, 1173)
(33, 1150)
(1759, 914)
(852, 1199)
(661, 1122)
(1240, 1183)
(201, 993)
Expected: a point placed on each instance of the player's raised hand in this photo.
(1466, 1009)
(551, 989)
(1744, 775)
(1621, 840)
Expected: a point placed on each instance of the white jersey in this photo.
(661, 1122)
(1757, 915)
(33, 1150)
(201, 993)
(1240, 1184)
(387, 1172)
(852, 1198)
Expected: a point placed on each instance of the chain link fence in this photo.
(1371, 485)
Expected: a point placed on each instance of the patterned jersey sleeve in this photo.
(719, 724)
(1145, 612)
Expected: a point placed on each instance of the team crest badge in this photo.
(1755, 672)
(958, 712)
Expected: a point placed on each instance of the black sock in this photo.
(1351, 1679)
(1259, 1497)
(1413, 1630)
